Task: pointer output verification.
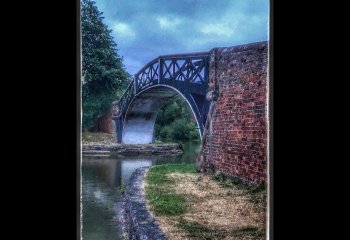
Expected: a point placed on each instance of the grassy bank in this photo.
(190, 205)
(97, 137)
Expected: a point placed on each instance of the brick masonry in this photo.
(236, 143)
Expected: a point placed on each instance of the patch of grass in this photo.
(97, 137)
(255, 198)
(258, 194)
(255, 193)
(253, 232)
(226, 184)
(159, 142)
(258, 189)
(158, 178)
(219, 177)
(227, 181)
(173, 167)
(157, 174)
(199, 231)
(167, 204)
(215, 177)
(236, 181)
(189, 205)
(157, 189)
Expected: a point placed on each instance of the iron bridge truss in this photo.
(188, 73)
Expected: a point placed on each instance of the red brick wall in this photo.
(236, 143)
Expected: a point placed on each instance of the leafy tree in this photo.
(104, 75)
(175, 122)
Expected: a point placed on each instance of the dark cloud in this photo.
(149, 28)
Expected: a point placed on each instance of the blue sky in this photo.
(145, 29)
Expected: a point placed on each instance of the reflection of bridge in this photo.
(153, 86)
(111, 172)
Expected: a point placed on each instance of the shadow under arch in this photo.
(141, 114)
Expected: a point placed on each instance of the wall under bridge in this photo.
(235, 140)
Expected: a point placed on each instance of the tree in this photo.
(104, 75)
(175, 122)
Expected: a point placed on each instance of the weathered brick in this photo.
(238, 143)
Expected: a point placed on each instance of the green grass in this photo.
(97, 137)
(201, 232)
(161, 170)
(255, 193)
(163, 202)
(159, 142)
(253, 232)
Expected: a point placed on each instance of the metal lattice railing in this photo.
(184, 69)
(148, 76)
(127, 97)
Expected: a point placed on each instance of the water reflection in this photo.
(101, 180)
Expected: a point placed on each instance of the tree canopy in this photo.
(104, 75)
(175, 122)
(105, 79)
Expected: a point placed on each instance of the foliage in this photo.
(104, 76)
(122, 188)
(175, 122)
(183, 130)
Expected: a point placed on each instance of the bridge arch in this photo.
(141, 114)
(153, 86)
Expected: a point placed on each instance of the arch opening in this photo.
(141, 115)
(175, 123)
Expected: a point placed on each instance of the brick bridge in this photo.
(226, 89)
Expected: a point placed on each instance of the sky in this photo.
(146, 29)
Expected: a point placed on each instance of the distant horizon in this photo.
(148, 29)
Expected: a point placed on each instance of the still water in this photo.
(101, 180)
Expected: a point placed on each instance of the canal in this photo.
(101, 181)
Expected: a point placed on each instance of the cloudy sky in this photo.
(146, 29)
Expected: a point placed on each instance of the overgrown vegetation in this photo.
(175, 123)
(191, 205)
(104, 76)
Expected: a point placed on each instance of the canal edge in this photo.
(137, 221)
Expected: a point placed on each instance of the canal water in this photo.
(101, 181)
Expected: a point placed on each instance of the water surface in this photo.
(101, 181)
